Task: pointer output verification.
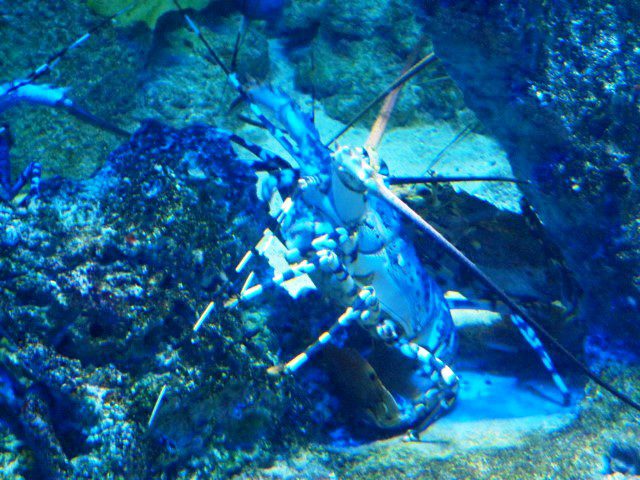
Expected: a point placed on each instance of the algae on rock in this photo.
(147, 12)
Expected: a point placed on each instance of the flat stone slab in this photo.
(492, 412)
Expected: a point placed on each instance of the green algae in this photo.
(147, 12)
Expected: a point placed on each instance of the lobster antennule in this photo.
(233, 80)
(456, 139)
(380, 189)
(453, 179)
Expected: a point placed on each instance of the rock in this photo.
(100, 312)
(556, 83)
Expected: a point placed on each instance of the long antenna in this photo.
(456, 139)
(380, 125)
(447, 179)
(412, 72)
(461, 258)
(203, 40)
(55, 58)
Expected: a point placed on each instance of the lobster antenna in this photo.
(443, 179)
(98, 122)
(216, 59)
(457, 139)
(278, 133)
(412, 72)
(56, 57)
(461, 258)
(380, 125)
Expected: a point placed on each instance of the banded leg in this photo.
(324, 259)
(301, 235)
(31, 174)
(532, 339)
(438, 399)
(270, 161)
(56, 57)
(281, 214)
(6, 140)
(302, 268)
(358, 311)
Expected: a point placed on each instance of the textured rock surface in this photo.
(100, 76)
(557, 83)
(101, 281)
(99, 289)
(352, 51)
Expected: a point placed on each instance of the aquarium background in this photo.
(103, 275)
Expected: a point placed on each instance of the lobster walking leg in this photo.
(302, 268)
(359, 310)
(30, 174)
(440, 398)
(532, 339)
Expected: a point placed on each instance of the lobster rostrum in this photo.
(342, 220)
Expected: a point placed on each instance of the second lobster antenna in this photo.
(409, 74)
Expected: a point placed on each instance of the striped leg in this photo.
(56, 57)
(6, 141)
(269, 160)
(437, 400)
(530, 336)
(326, 259)
(31, 174)
(358, 311)
(302, 268)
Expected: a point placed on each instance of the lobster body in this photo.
(336, 225)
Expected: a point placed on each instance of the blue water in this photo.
(140, 163)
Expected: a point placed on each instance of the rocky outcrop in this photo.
(557, 83)
(100, 284)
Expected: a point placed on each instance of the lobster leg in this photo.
(30, 174)
(270, 160)
(56, 57)
(325, 259)
(358, 311)
(531, 337)
(301, 268)
(437, 400)
(5, 162)
(281, 215)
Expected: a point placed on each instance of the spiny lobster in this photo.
(342, 220)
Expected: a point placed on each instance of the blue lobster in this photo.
(343, 221)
